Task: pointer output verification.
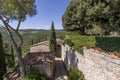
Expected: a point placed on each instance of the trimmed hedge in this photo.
(108, 43)
(105, 43)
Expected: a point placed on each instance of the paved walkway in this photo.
(60, 72)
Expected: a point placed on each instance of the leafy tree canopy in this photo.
(84, 13)
(17, 9)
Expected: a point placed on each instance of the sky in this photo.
(47, 11)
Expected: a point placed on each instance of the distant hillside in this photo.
(28, 34)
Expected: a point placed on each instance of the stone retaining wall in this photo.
(94, 65)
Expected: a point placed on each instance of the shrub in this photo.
(108, 43)
(75, 74)
(34, 74)
(68, 42)
(81, 41)
(105, 43)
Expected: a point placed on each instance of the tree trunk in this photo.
(20, 60)
(17, 48)
(18, 52)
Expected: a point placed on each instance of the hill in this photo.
(37, 35)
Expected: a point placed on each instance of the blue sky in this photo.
(47, 11)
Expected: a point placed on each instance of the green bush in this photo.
(108, 43)
(105, 43)
(80, 41)
(75, 74)
(68, 42)
(34, 74)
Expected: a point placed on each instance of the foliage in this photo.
(68, 42)
(73, 32)
(105, 43)
(108, 43)
(34, 74)
(53, 43)
(81, 41)
(105, 13)
(12, 57)
(17, 10)
(2, 60)
(31, 41)
(29, 34)
(9, 57)
(60, 35)
(82, 14)
(96, 30)
(74, 17)
(75, 74)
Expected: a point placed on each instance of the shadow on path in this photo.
(59, 73)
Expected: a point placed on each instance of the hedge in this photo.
(108, 43)
(105, 43)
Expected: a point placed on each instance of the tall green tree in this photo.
(53, 43)
(2, 60)
(74, 18)
(105, 13)
(82, 14)
(17, 10)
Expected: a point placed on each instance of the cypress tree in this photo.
(53, 43)
(2, 60)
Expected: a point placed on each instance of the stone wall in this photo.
(94, 65)
(46, 69)
(42, 58)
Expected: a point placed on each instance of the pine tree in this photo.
(2, 60)
(53, 43)
(18, 10)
